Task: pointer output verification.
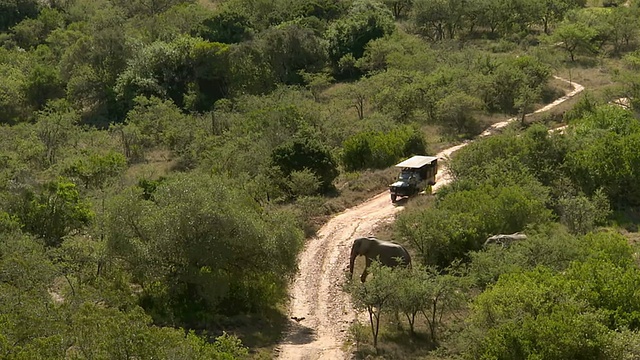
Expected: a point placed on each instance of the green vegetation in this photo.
(569, 289)
(161, 163)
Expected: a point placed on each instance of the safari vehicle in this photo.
(417, 173)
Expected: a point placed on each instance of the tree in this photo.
(581, 214)
(228, 26)
(42, 85)
(574, 38)
(398, 7)
(492, 14)
(99, 332)
(55, 126)
(378, 150)
(131, 139)
(290, 49)
(316, 82)
(413, 295)
(455, 112)
(542, 153)
(522, 15)
(399, 94)
(375, 295)
(303, 183)
(184, 67)
(146, 7)
(158, 122)
(609, 288)
(14, 11)
(13, 102)
(201, 248)
(53, 212)
(445, 296)
(549, 245)
(525, 101)
(301, 154)
(503, 209)
(438, 236)
(534, 315)
(29, 323)
(622, 23)
(359, 95)
(40, 322)
(365, 21)
(630, 79)
(439, 19)
(602, 156)
(92, 59)
(604, 276)
(95, 169)
(588, 290)
(512, 78)
(555, 10)
(30, 33)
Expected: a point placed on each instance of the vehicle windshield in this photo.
(404, 175)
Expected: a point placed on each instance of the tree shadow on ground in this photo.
(299, 334)
(258, 331)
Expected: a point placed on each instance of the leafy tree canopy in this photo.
(187, 243)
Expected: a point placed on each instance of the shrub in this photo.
(379, 150)
(306, 155)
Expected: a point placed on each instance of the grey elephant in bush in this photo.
(505, 240)
(387, 252)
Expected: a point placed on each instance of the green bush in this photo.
(534, 315)
(549, 245)
(203, 248)
(95, 170)
(378, 150)
(306, 155)
(582, 214)
(366, 20)
(52, 212)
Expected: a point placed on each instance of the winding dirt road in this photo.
(316, 293)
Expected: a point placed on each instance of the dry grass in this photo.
(395, 342)
(354, 188)
(210, 4)
(158, 163)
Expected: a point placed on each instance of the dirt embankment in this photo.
(316, 294)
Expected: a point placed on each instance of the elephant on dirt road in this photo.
(387, 252)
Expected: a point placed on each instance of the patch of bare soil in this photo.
(321, 313)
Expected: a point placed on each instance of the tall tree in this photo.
(367, 20)
(14, 11)
(186, 67)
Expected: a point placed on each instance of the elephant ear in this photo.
(365, 245)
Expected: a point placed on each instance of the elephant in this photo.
(387, 252)
(504, 240)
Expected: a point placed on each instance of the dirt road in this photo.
(316, 293)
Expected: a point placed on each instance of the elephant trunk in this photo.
(354, 254)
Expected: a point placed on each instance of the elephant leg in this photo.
(363, 277)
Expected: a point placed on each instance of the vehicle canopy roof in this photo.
(417, 162)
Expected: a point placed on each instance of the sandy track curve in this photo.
(316, 293)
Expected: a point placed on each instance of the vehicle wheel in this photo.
(393, 197)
